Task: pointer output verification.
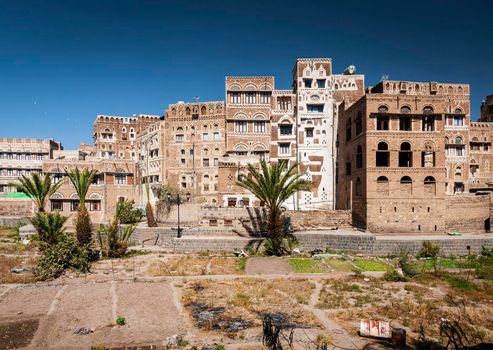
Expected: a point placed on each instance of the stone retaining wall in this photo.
(354, 242)
(11, 221)
(16, 207)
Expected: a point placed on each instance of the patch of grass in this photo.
(370, 265)
(339, 265)
(8, 232)
(242, 261)
(307, 265)
(459, 283)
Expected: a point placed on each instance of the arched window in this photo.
(383, 154)
(187, 111)
(359, 157)
(383, 185)
(405, 110)
(430, 185)
(458, 140)
(405, 155)
(428, 119)
(203, 110)
(206, 151)
(428, 110)
(383, 109)
(458, 117)
(182, 152)
(406, 185)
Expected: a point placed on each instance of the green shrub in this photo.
(127, 214)
(49, 226)
(405, 264)
(429, 250)
(120, 320)
(459, 283)
(485, 251)
(393, 276)
(484, 268)
(113, 239)
(56, 258)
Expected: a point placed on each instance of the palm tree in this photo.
(37, 188)
(273, 184)
(49, 226)
(81, 181)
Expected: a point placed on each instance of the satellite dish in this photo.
(350, 70)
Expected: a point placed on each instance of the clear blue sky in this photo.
(63, 62)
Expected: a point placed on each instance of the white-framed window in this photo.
(216, 161)
(74, 205)
(250, 97)
(241, 126)
(259, 126)
(286, 129)
(179, 138)
(265, 97)
(120, 179)
(216, 136)
(205, 136)
(95, 205)
(234, 97)
(285, 148)
(205, 162)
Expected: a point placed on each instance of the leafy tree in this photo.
(49, 226)
(82, 181)
(430, 250)
(273, 184)
(127, 214)
(39, 189)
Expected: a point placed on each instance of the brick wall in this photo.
(467, 213)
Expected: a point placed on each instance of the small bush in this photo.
(127, 214)
(57, 258)
(429, 250)
(405, 264)
(393, 276)
(484, 268)
(485, 251)
(120, 320)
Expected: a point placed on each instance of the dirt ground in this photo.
(222, 300)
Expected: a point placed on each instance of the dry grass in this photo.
(414, 306)
(194, 265)
(248, 299)
(8, 262)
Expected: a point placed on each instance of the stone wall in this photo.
(331, 219)
(467, 213)
(16, 207)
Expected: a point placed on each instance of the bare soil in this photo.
(268, 266)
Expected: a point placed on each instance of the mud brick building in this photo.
(401, 152)
(487, 110)
(23, 157)
(114, 182)
(115, 137)
(194, 135)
